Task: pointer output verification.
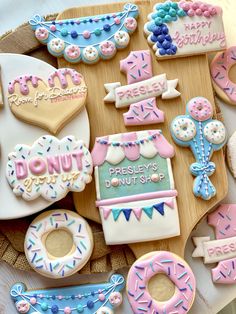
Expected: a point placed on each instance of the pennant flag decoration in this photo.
(160, 207)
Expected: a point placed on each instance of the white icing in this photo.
(145, 229)
(57, 45)
(115, 154)
(183, 128)
(214, 132)
(76, 226)
(110, 89)
(170, 172)
(90, 53)
(147, 149)
(105, 310)
(122, 39)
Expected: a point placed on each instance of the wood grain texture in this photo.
(105, 119)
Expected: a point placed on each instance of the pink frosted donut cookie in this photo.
(220, 67)
(41, 34)
(177, 271)
(130, 24)
(72, 53)
(200, 109)
(107, 49)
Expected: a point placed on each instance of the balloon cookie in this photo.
(222, 250)
(185, 28)
(49, 105)
(99, 298)
(136, 194)
(167, 265)
(203, 135)
(231, 154)
(58, 243)
(49, 168)
(220, 67)
(89, 38)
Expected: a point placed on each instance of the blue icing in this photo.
(56, 300)
(164, 13)
(101, 28)
(202, 150)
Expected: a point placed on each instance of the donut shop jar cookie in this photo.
(173, 279)
(58, 243)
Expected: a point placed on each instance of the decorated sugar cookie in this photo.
(184, 28)
(197, 130)
(89, 38)
(51, 104)
(58, 243)
(220, 67)
(135, 188)
(160, 263)
(49, 168)
(99, 298)
(222, 250)
(142, 90)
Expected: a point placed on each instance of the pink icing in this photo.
(37, 166)
(53, 164)
(72, 51)
(138, 212)
(66, 162)
(99, 152)
(138, 197)
(131, 152)
(21, 169)
(144, 112)
(224, 222)
(130, 23)
(199, 8)
(164, 148)
(200, 109)
(61, 74)
(107, 48)
(41, 33)
(22, 80)
(220, 67)
(178, 272)
(137, 66)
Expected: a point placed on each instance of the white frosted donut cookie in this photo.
(121, 39)
(90, 54)
(56, 46)
(183, 128)
(58, 243)
(214, 132)
(175, 270)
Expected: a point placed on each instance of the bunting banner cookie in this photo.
(89, 38)
(91, 298)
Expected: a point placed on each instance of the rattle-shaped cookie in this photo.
(197, 130)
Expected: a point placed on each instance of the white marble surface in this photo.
(210, 298)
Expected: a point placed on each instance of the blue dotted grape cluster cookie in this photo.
(157, 28)
(163, 40)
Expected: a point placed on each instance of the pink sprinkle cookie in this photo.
(175, 268)
(41, 33)
(220, 67)
(200, 109)
(222, 250)
(72, 53)
(131, 24)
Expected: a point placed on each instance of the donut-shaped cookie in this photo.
(220, 67)
(175, 268)
(72, 53)
(200, 109)
(214, 132)
(107, 49)
(121, 39)
(56, 46)
(130, 24)
(41, 33)
(58, 243)
(90, 54)
(183, 128)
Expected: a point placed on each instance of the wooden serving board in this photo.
(194, 80)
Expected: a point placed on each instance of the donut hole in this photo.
(199, 107)
(232, 73)
(161, 288)
(59, 242)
